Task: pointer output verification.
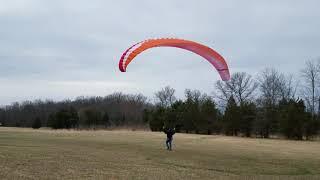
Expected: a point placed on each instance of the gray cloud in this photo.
(67, 48)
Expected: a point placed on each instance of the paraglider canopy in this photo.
(209, 54)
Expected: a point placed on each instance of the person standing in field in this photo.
(170, 132)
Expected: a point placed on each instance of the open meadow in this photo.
(121, 154)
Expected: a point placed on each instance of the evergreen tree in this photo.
(191, 113)
(64, 119)
(146, 116)
(231, 118)
(36, 123)
(93, 117)
(106, 119)
(267, 122)
(209, 115)
(292, 119)
(311, 126)
(73, 118)
(157, 119)
(247, 118)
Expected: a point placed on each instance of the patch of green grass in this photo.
(62, 154)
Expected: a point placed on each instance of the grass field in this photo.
(62, 154)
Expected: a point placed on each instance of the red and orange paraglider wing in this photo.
(209, 54)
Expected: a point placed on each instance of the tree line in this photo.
(271, 104)
(116, 109)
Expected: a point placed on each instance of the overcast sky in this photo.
(67, 48)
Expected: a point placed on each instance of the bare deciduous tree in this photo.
(241, 86)
(165, 97)
(311, 75)
(193, 95)
(274, 86)
(288, 87)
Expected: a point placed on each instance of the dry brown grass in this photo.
(122, 154)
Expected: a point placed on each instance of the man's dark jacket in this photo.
(169, 133)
